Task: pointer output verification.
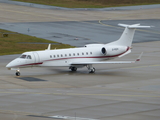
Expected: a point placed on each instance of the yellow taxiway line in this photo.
(121, 27)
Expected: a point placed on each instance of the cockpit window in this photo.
(26, 56)
(29, 57)
(23, 56)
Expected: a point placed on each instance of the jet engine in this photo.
(114, 50)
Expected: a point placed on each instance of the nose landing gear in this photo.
(17, 72)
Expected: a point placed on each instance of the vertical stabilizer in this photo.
(128, 34)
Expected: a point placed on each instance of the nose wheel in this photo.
(18, 73)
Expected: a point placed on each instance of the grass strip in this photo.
(92, 3)
(15, 43)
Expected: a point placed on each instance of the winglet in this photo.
(139, 58)
(49, 47)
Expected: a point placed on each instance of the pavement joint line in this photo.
(34, 14)
(81, 94)
(21, 113)
(16, 112)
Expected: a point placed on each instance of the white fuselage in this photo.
(65, 57)
(79, 57)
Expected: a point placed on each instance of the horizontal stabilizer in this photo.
(133, 26)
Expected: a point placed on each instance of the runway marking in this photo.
(81, 94)
(121, 27)
(108, 25)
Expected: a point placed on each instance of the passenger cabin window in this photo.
(23, 56)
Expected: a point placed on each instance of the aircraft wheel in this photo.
(92, 70)
(73, 69)
(17, 73)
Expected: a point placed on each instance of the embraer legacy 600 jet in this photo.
(80, 57)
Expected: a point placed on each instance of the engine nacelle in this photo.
(114, 50)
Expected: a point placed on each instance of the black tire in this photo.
(92, 70)
(17, 73)
(73, 69)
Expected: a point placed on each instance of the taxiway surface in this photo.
(78, 27)
(114, 92)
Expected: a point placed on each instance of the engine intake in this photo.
(114, 50)
(104, 51)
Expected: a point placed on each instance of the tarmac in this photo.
(114, 92)
(78, 27)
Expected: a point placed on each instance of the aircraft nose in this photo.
(12, 64)
(9, 65)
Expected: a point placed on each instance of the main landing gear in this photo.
(90, 68)
(73, 68)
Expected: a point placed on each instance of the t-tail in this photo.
(127, 35)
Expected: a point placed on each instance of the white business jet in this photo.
(79, 57)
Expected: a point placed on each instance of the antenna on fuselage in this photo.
(49, 47)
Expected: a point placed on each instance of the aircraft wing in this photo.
(107, 62)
